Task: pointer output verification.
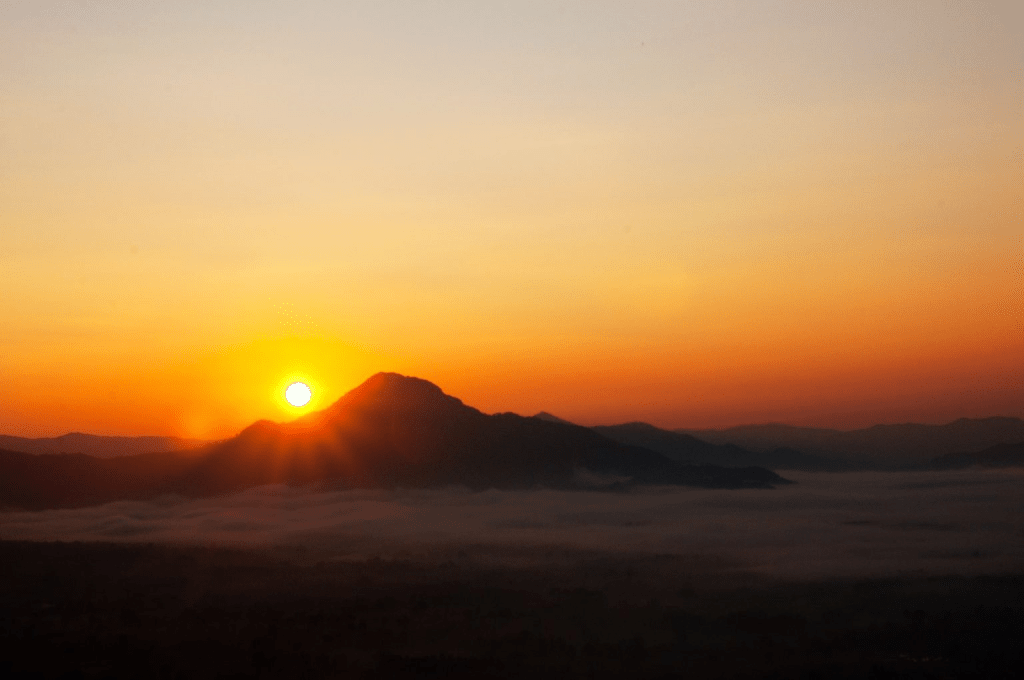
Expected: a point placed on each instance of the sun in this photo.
(298, 394)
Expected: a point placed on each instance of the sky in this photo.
(697, 214)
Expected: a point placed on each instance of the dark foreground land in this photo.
(87, 610)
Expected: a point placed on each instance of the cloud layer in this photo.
(826, 526)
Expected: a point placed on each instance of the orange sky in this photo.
(695, 214)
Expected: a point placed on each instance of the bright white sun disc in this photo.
(298, 394)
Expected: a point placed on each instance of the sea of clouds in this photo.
(824, 526)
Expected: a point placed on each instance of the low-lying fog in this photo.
(826, 525)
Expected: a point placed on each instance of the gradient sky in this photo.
(690, 213)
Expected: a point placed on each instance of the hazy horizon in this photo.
(690, 214)
(795, 423)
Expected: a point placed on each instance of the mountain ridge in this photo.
(688, 448)
(882, 446)
(389, 432)
(99, 446)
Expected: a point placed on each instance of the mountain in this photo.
(58, 480)
(689, 449)
(391, 431)
(398, 431)
(884, 447)
(1000, 455)
(98, 446)
(544, 415)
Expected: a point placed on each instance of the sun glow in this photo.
(298, 394)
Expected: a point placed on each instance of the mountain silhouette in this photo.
(391, 431)
(544, 415)
(1000, 455)
(689, 449)
(398, 431)
(880, 447)
(55, 480)
(98, 445)
(685, 448)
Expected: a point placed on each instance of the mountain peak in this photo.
(387, 380)
(399, 385)
(544, 415)
(393, 391)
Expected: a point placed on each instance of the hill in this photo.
(687, 448)
(98, 446)
(1000, 455)
(55, 480)
(544, 415)
(885, 447)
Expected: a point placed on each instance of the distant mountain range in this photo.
(391, 431)
(881, 447)
(99, 446)
(1000, 455)
(394, 431)
(990, 442)
(690, 449)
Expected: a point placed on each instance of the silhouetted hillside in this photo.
(391, 431)
(544, 415)
(686, 448)
(399, 431)
(50, 480)
(878, 447)
(98, 446)
(1000, 455)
